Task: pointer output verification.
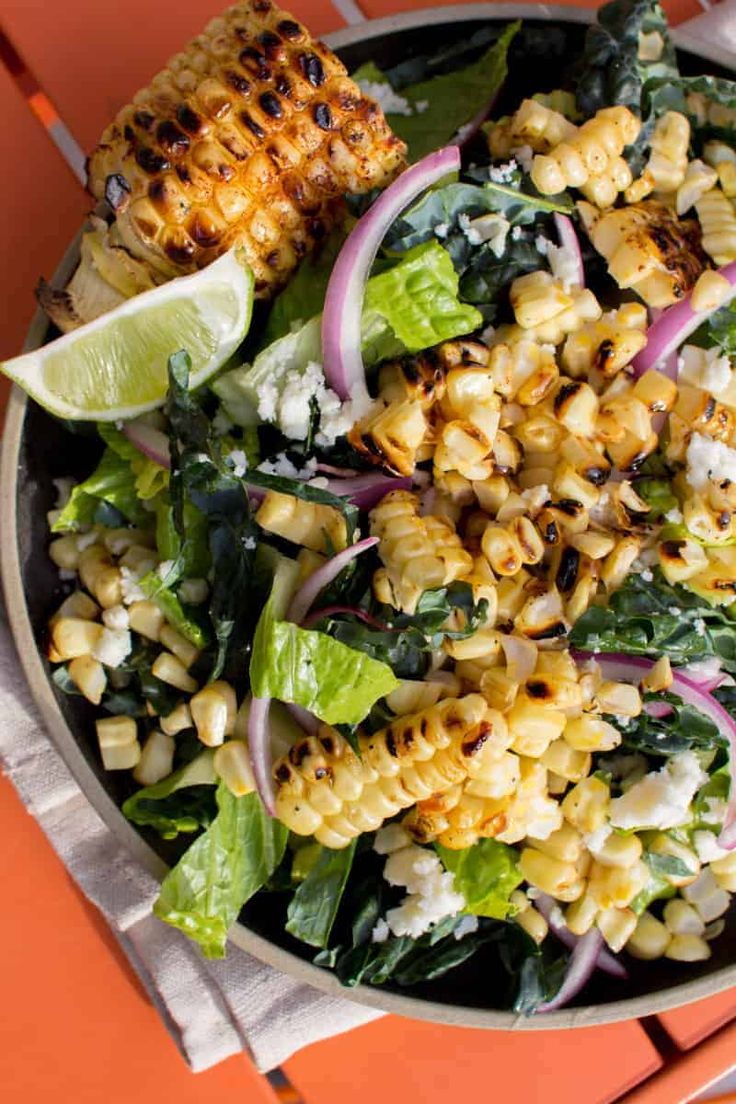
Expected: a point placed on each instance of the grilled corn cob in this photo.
(249, 137)
(718, 223)
(590, 158)
(324, 789)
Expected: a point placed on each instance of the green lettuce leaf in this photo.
(112, 484)
(177, 803)
(420, 298)
(611, 71)
(313, 908)
(336, 683)
(167, 601)
(443, 104)
(486, 874)
(150, 477)
(204, 893)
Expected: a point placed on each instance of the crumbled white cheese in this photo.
(116, 617)
(390, 102)
(674, 516)
(336, 418)
(193, 591)
(701, 669)
(564, 265)
(282, 466)
(716, 374)
(716, 809)
(647, 575)
(706, 847)
(536, 497)
(470, 233)
(421, 106)
(268, 400)
(541, 244)
(295, 399)
(524, 156)
(130, 590)
(699, 626)
(709, 459)
(503, 174)
(708, 369)
(112, 647)
(466, 926)
(381, 932)
(517, 233)
(441, 230)
(662, 798)
(431, 894)
(492, 228)
(238, 461)
(249, 543)
(595, 841)
(392, 837)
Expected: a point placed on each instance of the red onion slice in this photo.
(569, 241)
(633, 668)
(352, 611)
(151, 442)
(579, 970)
(259, 748)
(366, 490)
(306, 720)
(674, 325)
(341, 473)
(605, 961)
(322, 577)
(342, 315)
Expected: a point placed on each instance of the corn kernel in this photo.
(616, 886)
(567, 763)
(176, 721)
(710, 291)
(707, 896)
(64, 552)
(681, 918)
(663, 844)
(118, 741)
(620, 851)
(616, 926)
(619, 698)
(688, 948)
(210, 715)
(232, 764)
(146, 618)
(650, 938)
(550, 875)
(565, 844)
(586, 805)
(533, 923)
(178, 644)
(156, 759)
(724, 871)
(88, 675)
(533, 727)
(172, 671)
(74, 636)
(581, 915)
(77, 604)
(589, 734)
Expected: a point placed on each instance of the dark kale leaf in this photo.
(682, 729)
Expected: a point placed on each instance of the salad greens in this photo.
(181, 802)
(486, 874)
(313, 908)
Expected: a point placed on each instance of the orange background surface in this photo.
(75, 1025)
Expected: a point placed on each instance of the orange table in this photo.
(75, 1024)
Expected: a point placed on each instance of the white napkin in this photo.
(211, 1009)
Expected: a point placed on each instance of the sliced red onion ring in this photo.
(579, 970)
(633, 668)
(364, 491)
(322, 577)
(306, 720)
(341, 473)
(674, 325)
(353, 611)
(342, 315)
(569, 241)
(259, 747)
(605, 961)
(151, 442)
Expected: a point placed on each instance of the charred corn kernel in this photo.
(655, 390)
(680, 918)
(620, 851)
(640, 188)
(564, 761)
(581, 915)
(649, 939)
(617, 564)
(537, 125)
(170, 669)
(718, 225)
(707, 896)
(649, 249)
(176, 721)
(533, 727)
(565, 844)
(498, 689)
(64, 552)
(412, 696)
(568, 484)
(232, 765)
(554, 690)
(308, 523)
(724, 872)
(710, 291)
(586, 805)
(533, 923)
(659, 677)
(620, 698)
(588, 733)
(616, 925)
(617, 886)
(213, 712)
(79, 605)
(182, 648)
(681, 559)
(74, 636)
(391, 435)
(501, 549)
(589, 157)
(687, 948)
(541, 617)
(88, 675)
(550, 875)
(593, 545)
(156, 759)
(146, 618)
(325, 789)
(528, 539)
(262, 147)
(118, 741)
(576, 407)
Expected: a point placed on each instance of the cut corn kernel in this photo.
(172, 671)
(650, 938)
(156, 759)
(232, 764)
(88, 675)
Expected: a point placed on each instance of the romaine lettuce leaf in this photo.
(150, 477)
(313, 908)
(420, 299)
(175, 804)
(113, 483)
(486, 874)
(443, 104)
(160, 592)
(203, 894)
(336, 683)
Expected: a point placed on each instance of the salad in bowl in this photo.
(402, 584)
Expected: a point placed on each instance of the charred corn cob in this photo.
(306, 523)
(723, 160)
(590, 158)
(718, 224)
(324, 789)
(417, 552)
(249, 137)
(649, 249)
(533, 124)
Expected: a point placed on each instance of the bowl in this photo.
(37, 449)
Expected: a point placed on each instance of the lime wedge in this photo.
(115, 367)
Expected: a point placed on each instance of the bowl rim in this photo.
(66, 744)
